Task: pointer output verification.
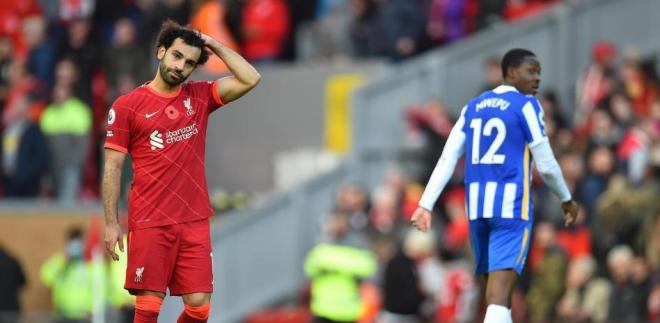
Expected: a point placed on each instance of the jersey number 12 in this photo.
(491, 156)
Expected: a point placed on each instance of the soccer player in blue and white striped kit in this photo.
(500, 132)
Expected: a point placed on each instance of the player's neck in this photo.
(158, 85)
(508, 83)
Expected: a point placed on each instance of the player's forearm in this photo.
(439, 179)
(444, 169)
(550, 171)
(111, 188)
(237, 65)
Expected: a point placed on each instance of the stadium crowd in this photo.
(63, 62)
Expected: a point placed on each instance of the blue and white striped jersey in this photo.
(500, 127)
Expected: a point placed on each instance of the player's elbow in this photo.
(253, 80)
(549, 172)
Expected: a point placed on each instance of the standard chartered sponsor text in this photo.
(181, 134)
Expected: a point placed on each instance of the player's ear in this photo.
(511, 73)
(161, 52)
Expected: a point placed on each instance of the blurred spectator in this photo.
(655, 110)
(457, 229)
(66, 72)
(234, 18)
(328, 38)
(6, 56)
(71, 10)
(428, 126)
(586, 298)
(652, 244)
(600, 166)
(210, 19)
(622, 210)
(384, 214)
(641, 280)
(42, 49)
(597, 82)
(67, 123)
(80, 48)
(24, 153)
(490, 12)
(12, 14)
(352, 200)
(154, 12)
(517, 9)
(557, 127)
(634, 149)
(265, 25)
(108, 12)
(365, 29)
(458, 297)
(70, 280)
(603, 131)
(125, 63)
(448, 20)
(638, 86)
(548, 270)
(547, 209)
(654, 304)
(410, 199)
(12, 281)
(625, 300)
(325, 7)
(336, 269)
(402, 294)
(22, 85)
(553, 111)
(621, 110)
(403, 26)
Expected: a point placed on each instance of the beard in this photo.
(165, 75)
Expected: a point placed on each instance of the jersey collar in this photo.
(160, 94)
(504, 88)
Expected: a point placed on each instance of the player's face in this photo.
(177, 62)
(528, 76)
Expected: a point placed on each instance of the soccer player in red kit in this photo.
(162, 125)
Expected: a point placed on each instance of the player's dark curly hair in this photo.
(514, 58)
(170, 30)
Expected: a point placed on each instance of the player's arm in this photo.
(114, 161)
(244, 76)
(545, 160)
(547, 165)
(444, 169)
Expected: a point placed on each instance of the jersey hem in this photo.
(165, 222)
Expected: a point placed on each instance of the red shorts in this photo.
(177, 256)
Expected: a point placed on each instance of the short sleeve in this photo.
(118, 135)
(207, 91)
(533, 123)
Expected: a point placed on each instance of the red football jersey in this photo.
(165, 136)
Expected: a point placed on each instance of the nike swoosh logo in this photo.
(149, 115)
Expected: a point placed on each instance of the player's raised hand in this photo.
(421, 219)
(208, 40)
(571, 210)
(111, 238)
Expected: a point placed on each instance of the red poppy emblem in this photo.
(171, 112)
